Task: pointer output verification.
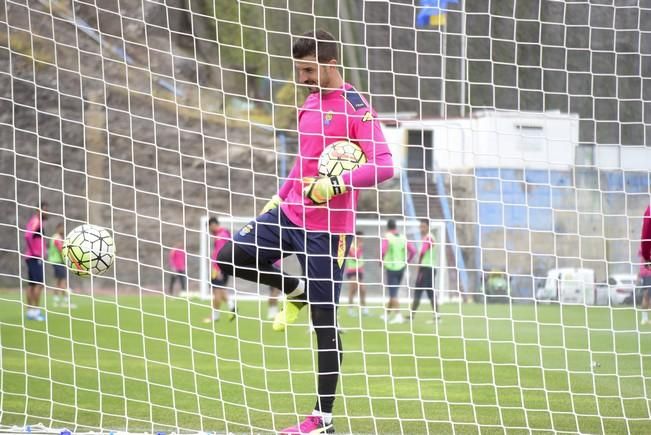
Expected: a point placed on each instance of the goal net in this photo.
(518, 131)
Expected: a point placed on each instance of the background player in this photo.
(55, 257)
(426, 277)
(396, 252)
(34, 251)
(177, 260)
(218, 279)
(314, 216)
(355, 275)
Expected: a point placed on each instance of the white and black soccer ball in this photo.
(339, 157)
(89, 250)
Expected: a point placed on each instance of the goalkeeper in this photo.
(313, 216)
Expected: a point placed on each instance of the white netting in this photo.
(518, 129)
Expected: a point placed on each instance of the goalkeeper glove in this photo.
(215, 273)
(274, 202)
(321, 190)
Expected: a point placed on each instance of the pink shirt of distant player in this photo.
(34, 241)
(220, 238)
(177, 260)
(324, 119)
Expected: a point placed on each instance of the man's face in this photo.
(312, 75)
(424, 229)
(213, 228)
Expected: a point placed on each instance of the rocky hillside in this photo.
(145, 116)
(145, 144)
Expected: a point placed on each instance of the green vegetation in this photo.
(150, 364)
(255, 40)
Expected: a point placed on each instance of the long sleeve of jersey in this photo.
(427, 245)
(379, 167)
(411, 251)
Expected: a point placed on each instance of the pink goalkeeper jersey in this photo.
(325, 118)
(34, 242)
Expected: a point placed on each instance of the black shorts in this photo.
(426, 277)
(220, 282)
(34, 270)
(394, 279)
(59, 271)
(321, 254)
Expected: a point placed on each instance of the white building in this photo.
(490, 140)
(500, 139)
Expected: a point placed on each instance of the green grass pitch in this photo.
(150, 364)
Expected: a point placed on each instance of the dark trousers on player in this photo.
(424, 284)
(260, 243)
(176, 276)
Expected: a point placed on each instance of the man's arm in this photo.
(411, 250)
(427, 244)
(385, 246)
(215, 252)
(367, 132)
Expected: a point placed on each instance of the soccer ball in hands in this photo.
(89, 250)
(339, 157)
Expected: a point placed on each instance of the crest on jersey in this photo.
(246, 230)
(327, 119)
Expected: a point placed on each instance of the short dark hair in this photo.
(425, 221)
(391, 224)
(213, 220)
(320, 44)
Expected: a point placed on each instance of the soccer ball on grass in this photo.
(339, 157)
(89, 250)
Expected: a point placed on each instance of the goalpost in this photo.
(519, 130)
